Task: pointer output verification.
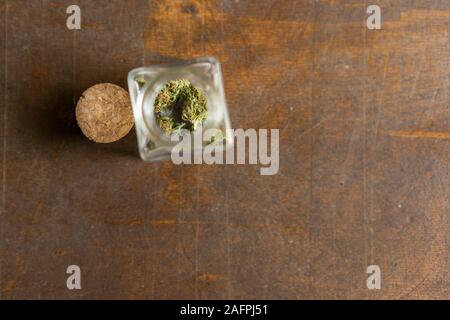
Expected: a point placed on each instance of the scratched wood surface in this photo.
(364, 153)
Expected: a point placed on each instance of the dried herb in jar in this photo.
(180, 105)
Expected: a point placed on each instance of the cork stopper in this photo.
(104, 113)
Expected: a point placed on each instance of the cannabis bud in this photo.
(180, 105)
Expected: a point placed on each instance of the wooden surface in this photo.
(364, 153)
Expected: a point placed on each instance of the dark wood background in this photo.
(364, 159)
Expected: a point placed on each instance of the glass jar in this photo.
(145, 83)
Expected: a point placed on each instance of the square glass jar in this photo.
(145, 83)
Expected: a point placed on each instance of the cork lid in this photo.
(104, 113)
